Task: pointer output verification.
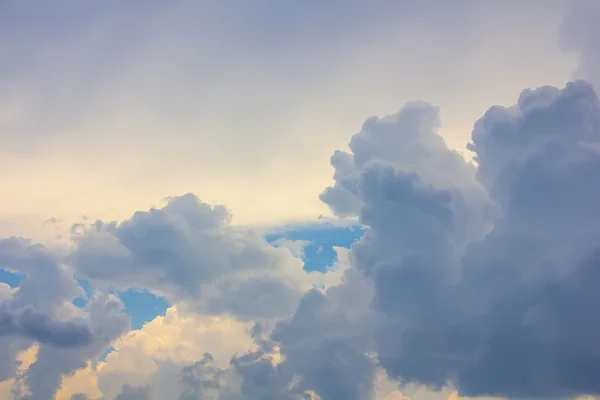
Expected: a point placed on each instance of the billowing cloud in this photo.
(188, 252)
(510, 314)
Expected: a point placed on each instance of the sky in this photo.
(341, 200)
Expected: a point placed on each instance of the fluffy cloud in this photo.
(41, 311)
(507, 314)
(188, 252)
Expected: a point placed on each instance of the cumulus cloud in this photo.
(407, 142)
(188, 252)
(40, 311)
(156, 356)
(507, 314)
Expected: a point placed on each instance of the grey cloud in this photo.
(407, 142)
(106, 321)
(42, 269)
(509, 314)
(38, 326)
(41, 311)
(133, 393)
(188, 251)
(534, 271)
(44, 289)
(323, 348)
(201, 380)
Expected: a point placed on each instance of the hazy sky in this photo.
(112, 106)
(299, 200)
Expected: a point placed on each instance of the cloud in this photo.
(37, 326)
(41, 311)
(43, 377)
(321, 349)
(188, 252)
(155, 355)
(506, 314)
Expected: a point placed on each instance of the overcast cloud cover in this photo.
(458, 249)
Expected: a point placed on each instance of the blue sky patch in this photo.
(10, 278)
(319, 253)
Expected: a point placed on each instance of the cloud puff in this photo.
(40, 311)
(188, 252)
(106, 321)
(407, 142)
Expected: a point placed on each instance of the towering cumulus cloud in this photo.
(511, 313)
